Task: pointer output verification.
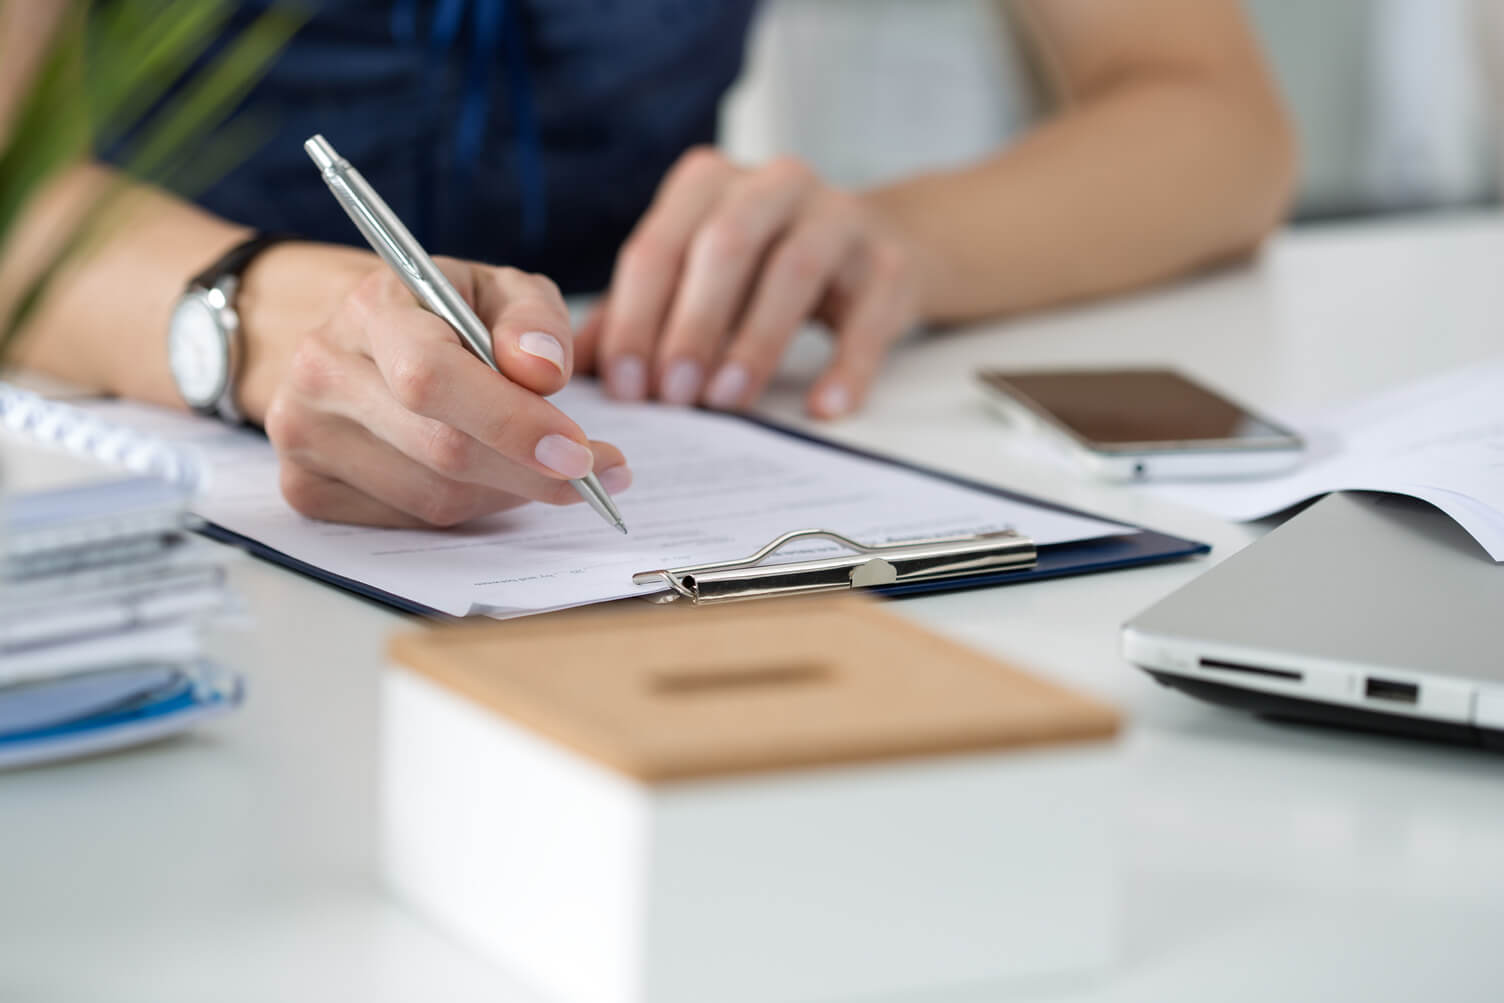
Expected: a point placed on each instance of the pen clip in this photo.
(363, 218)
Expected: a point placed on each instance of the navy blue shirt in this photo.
(523, 132)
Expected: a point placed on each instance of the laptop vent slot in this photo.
(1253, 670)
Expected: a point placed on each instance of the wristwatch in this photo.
(204, 350)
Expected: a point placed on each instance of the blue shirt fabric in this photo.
(524, 132)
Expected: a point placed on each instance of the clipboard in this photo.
(909, 568)
(1136, 548)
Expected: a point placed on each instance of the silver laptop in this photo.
(1373, 611)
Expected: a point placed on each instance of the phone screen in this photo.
(1119, 407)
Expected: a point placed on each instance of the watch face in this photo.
(197, 352)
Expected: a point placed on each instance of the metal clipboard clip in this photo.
(890, 564)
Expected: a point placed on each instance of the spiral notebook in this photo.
(102, 593)
(708, 488)
(85, 447)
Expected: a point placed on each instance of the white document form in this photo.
(706, 487)
(1441, 440)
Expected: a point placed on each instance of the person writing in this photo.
(570, 142)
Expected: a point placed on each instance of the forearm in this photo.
(104, 323)
(1148, 180)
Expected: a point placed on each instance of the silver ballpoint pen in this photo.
(401, 250)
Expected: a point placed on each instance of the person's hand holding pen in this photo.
(382, 417)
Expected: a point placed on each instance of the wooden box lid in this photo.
(673, 693)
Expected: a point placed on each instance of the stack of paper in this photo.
(1441, 440)
(103, 594)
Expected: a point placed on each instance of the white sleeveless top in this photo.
(871, 90)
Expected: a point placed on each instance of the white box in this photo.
(616, 833)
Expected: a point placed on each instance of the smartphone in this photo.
(1145, 424)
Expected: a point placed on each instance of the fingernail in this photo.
(834, 401)
(564, 456)
(544, 346)
(628, 379)
(728, 386)
(681, 385)
(616, 479)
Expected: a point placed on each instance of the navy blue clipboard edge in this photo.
(1057, 560)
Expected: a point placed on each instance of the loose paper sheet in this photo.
(1441, 441)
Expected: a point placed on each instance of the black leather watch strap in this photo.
(237, 259)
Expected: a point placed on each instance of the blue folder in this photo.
(1138, 547)
(89, 713)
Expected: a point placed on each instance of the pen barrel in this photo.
(400, 249)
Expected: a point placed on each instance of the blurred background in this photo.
(1399, 103)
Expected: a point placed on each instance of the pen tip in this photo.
(623, 527)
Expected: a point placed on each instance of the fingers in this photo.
(796, 275)
(431, 488)
(428, 373)
(384, 418)
(647, 270)
(724, 258)
(443, 449)
(726, 267)
(318, 497)
(342, 452)
(530, 329)
(881, 310)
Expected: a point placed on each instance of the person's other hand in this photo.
(382, 417)
(725, 267)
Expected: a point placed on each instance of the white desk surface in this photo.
(1259, 861)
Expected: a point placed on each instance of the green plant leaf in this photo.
(139, 51)
(194, 111)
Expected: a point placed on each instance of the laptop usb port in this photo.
(1393, 692)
